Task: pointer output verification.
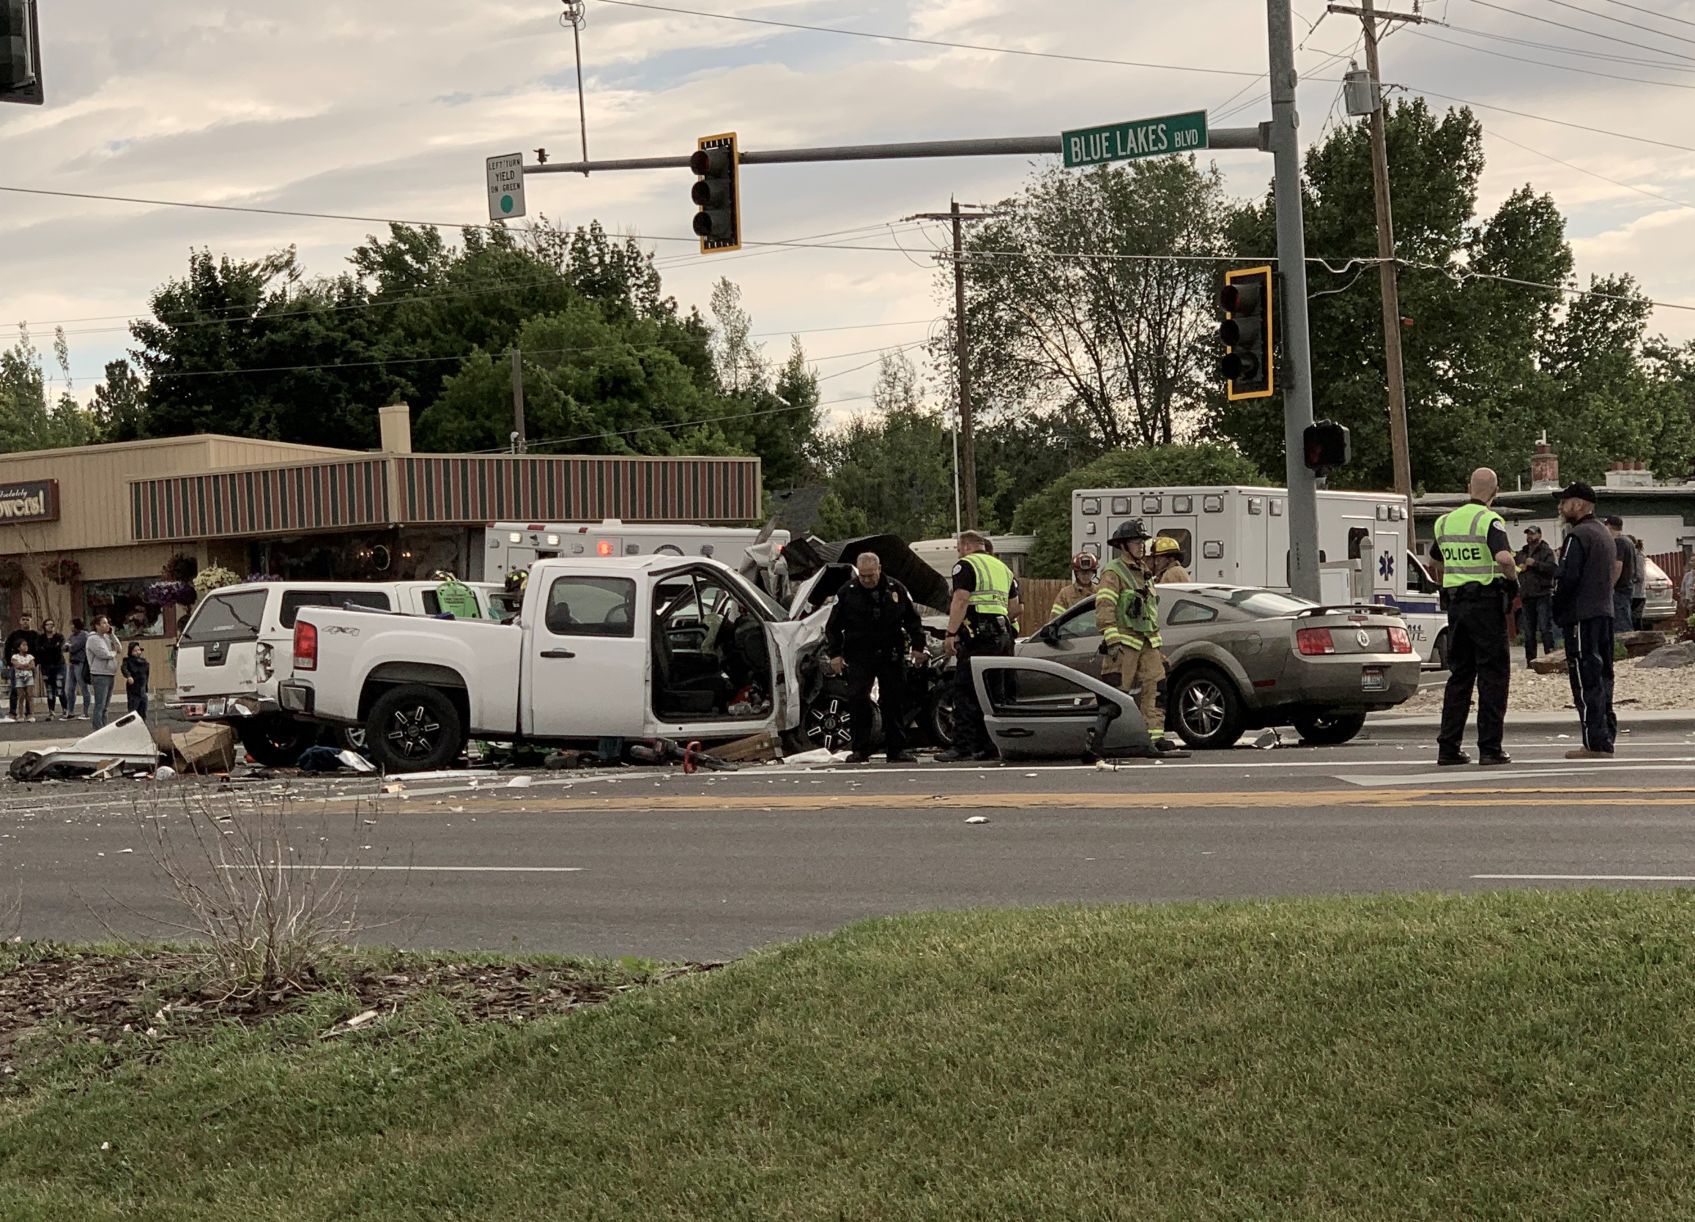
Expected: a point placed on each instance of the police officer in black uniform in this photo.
(873, 617)
(1474, 562)
(980, 620)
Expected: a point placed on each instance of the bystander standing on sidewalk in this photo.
(1688, 589)
(1624, 553)
(23, 682)
(52, 660)
(102, 667)
(136, 672)
(23, 634)
(1536, 569)
(76, 674)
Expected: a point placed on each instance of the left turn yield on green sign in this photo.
(505, 186)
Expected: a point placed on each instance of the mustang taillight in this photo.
(1399, 641)
(1314, 641)
(305, 646)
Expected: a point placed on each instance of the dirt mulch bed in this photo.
(109, 999)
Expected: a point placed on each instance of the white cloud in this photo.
(388, 110)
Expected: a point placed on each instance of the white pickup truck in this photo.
(234, 651)
(631, 647)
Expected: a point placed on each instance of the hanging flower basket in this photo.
(61, 570)
(181, 568)
(214, 578)
(11, 572)
(169, 593)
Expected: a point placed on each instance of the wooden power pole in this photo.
(1399, 447)
(962, 358)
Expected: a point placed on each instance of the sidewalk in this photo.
(1425, 725)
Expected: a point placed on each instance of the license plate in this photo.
(215, 708)
(1374, 679)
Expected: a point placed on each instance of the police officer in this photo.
(1127, 613)
(873, 617)
(1167, 561)
(985, 604)
(1473, 559)
(1081, 587)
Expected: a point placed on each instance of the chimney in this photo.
(1544, 465)
(395, 425)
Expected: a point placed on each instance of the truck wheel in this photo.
(1329, 729)
(1439, 651)
(274, 740)
(938, 717)
(414, 729)
(1205, 708)
(828, 723)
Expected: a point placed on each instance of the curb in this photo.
(1423, 726)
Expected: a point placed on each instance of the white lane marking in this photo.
(1510, 772)
(429, 869)
(1587, 878)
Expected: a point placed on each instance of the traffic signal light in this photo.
(1247, 333)
(20, 53)
(718, 224)
(1326, 445)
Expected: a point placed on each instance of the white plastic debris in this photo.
(978, 819)
(1265, 740)
(519, 782)
(355, 761)
(360, 1019)
(818, 755)
(165, 773)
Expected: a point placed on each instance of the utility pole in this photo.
(1400, 448)
(965, 456)
(1292, 265)
(519, 444)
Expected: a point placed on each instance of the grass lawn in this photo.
(1510, 1055)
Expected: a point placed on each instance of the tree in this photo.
(1066, 312)
(27, 420)
(119, 405)
(1047, 514)
(891, 469)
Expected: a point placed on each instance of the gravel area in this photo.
(1633, 688)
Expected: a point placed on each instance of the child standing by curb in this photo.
(23, 682)
(136, 672)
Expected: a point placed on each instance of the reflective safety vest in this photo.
(1462, 541)
(1069, 596)
(991, 593)
(1126, 607)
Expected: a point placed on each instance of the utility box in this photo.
(1361, 94)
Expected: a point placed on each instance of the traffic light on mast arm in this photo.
(718, 224)
(20, 53)
(1248, 365)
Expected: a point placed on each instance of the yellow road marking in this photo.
(1543, 797)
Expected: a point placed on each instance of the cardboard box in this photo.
(207, 747)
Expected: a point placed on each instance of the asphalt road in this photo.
(655, 863)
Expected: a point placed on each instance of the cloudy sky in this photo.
(386, 110)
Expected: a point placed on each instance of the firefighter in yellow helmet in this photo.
(1127, 613)
(1081, 587)
(1166, 559)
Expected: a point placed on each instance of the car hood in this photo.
(823, 568)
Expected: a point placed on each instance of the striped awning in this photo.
(263, 501)
(443, 490)
(504, 489)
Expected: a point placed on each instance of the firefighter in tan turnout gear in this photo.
(1127, 613)
(1080, 588)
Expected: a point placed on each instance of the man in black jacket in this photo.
(1536, 569)
(873, 618)
(1583, 608)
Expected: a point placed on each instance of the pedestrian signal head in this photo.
(1326, 445)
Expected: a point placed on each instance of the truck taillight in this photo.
(1399, 641)
(305, 646)
(1314, 641)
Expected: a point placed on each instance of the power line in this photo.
(1577, 29)
(1653, 12)
(687, 424)
(1522, 114)
(1461, 276)
(1611, 76)
(929, 42)
(1493, 134)
(1635, 25)
(1559, 48)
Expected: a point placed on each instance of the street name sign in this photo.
(1088, 146)
(505, 186)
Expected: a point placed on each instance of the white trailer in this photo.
(1239, 535)
(509, 546)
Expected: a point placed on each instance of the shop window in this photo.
(124, 602)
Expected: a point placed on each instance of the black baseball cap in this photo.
(1616, 522)
(1533, 530)
(1578, 489)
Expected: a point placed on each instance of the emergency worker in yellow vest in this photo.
(1127, 613)
(980, 619)
(1080, 588)
(1473, 559)
(1166, 558)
